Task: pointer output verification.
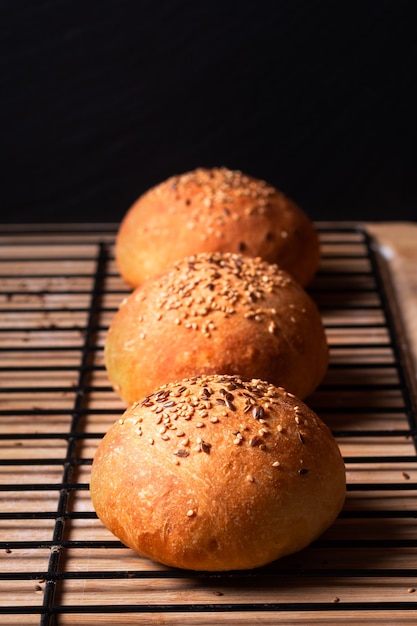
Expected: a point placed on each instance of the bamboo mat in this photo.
(59, 288)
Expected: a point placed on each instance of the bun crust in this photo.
(210, 210)
(218, 313)
(217, 473)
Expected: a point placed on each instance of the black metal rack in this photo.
(58, 291)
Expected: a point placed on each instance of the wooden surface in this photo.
(50, 391)
(397, 243)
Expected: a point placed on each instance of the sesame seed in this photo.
(181, 453)
(250, 478)
(161, 396)
(276, 464)
(121, 421)
(205, 447)
(214, 420)
(151, 441)
(257, 412)
(191, 513)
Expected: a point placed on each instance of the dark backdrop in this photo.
(100, 100)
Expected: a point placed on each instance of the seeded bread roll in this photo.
(218, 313)
(218, 473)
(210, 210)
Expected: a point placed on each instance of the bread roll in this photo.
(209, 210)
(217, 473)
(218, 313)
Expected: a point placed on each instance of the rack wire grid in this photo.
(59, 289)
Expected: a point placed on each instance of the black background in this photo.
(100, 100)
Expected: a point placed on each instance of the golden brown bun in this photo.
(218, 313)
(210, 210)
(216, 473)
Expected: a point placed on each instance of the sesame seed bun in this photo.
(218, 313)
(210, 210)
(218, 473)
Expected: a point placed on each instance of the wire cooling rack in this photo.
(59, 288)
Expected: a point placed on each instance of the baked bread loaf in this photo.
(216, 313)
(210, 210)
(218, 473)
